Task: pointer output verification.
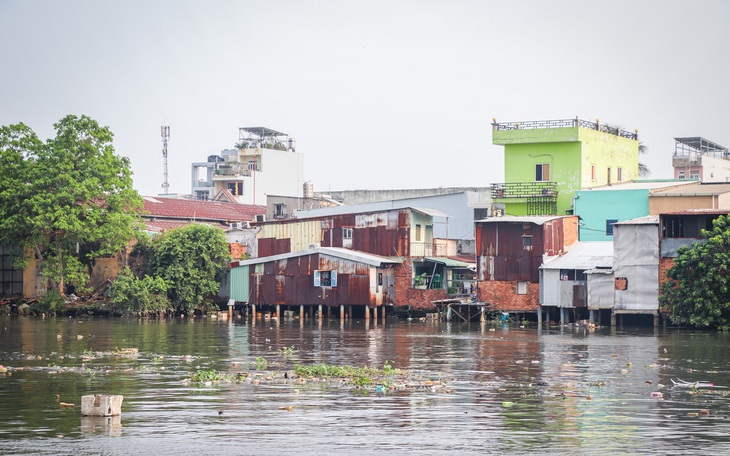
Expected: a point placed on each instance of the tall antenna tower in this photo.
(165, 131)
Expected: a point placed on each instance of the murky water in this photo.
(507, 389)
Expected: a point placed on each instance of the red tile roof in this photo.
(188, 209)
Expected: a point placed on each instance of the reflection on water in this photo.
(509, 390)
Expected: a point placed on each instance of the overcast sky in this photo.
(378, 94)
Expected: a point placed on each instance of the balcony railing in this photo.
(421, 249)
(234, 169)
(547, 190)
(565, 123)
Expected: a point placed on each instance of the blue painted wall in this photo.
(595, 207)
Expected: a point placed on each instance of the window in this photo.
(521, 288)
(567, 275)
(681, 175)
(279, 210)
(542, 172)
(346, 233)
(694, 174)
(325, 278)
(593, 173)
(380, 279)
(620, 176)
(418, 232)
(236, 188)
(609, 226)
(527, 242)
(253, 166)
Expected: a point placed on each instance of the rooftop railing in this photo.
(565, 123)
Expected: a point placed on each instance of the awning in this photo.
(448, 262)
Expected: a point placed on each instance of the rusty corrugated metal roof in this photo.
(338, 252)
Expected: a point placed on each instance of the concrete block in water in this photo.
(101, 405)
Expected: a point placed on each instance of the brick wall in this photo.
(238, 250)
(664, 265)
(503, 296)
(417, 299)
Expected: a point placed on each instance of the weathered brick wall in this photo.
(503, 296)
(238, 250)
(417, 299)
(664, 265)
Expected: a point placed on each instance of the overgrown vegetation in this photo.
(139, 296)
(698, 292)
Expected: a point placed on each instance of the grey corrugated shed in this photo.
(584, 255)
(646, 220)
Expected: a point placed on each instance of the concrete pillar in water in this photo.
(342, 311)
(539, 316)
(278, 311)
(349, 312)
(301, 312)
(656, 320)
(382, 313)
(562, 316)
(375, 314)
(613, 319)
(253, 311)
(319, 313)
(448, 312)
(483, 316)
(367, 313)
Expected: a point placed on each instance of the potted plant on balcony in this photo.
(419, 281)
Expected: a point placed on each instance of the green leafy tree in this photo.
(698, 293)
(192, 260)
(67, 195)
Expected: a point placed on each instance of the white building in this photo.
(265, 162)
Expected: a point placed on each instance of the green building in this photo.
(601, 207)
(546, 162)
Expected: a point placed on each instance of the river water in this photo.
(472, 388)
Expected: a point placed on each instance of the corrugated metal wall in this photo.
(383, 233)
(239, 283)
(290, 282)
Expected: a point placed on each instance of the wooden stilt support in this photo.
(253, 311)
(375, 314)
(367, 313)
(278, 311)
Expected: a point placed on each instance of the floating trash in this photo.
(656, 394)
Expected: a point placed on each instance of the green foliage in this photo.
(192, 260)
(210, 376)
(51, 302)
(359, 376)
(699, 291)
(139, 296)
(261, 363)
(66, 195)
